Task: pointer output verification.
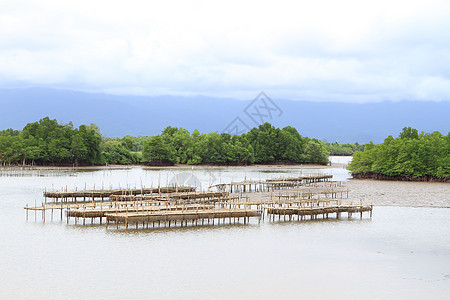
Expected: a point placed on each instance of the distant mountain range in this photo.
(141, 115)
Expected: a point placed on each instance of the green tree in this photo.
(409, 133)
(116, 153)
(316, 152)
(410, 155)
(157, 151)
(79, 149)
(91, 139)
(291, 146)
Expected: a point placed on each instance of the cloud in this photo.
(322, 50)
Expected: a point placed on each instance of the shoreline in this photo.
(177, 166)
(378, 192)
(376, 176)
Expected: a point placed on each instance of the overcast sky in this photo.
(353, 51)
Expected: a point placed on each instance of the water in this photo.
(340, 159)
(399, 253)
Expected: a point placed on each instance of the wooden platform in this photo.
(106, 193)
(314, 211)
(170, 196)
(270, 184)
(182, 205)
(304, 179)
(101, 212)
(194, 216)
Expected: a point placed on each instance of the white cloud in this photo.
(315, 50)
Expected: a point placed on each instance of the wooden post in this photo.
(159, 183)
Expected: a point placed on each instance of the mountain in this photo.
(141, 115)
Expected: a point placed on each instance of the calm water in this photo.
(400, 253)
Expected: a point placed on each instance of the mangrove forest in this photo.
(410, 156)
(47, 142)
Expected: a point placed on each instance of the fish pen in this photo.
(317, 208)
(183, 217)
(129, 201)
(91, 195)
(304, 197)
(267, 185)
(146, 205)
(192, 195)
(328, 194)
(100, 213)
(303, 179)
(33, 172)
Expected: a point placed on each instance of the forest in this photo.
(47, 142)
(344, 149)
(410, 156)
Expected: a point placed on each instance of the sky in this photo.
(340, 51)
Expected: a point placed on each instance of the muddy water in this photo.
(402, 252)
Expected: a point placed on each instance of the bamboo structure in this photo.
(31, 171)
(170, 196)
(314, 211)
(183, 217)
(304, 179)
(101, 212)
(106, 193)
(302, 196)
(247, 186)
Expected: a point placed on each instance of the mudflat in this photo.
(400, 193)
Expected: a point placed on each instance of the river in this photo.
(401, 253)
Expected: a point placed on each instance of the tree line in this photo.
(344, 149)
(414, 156)
(47, 142)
